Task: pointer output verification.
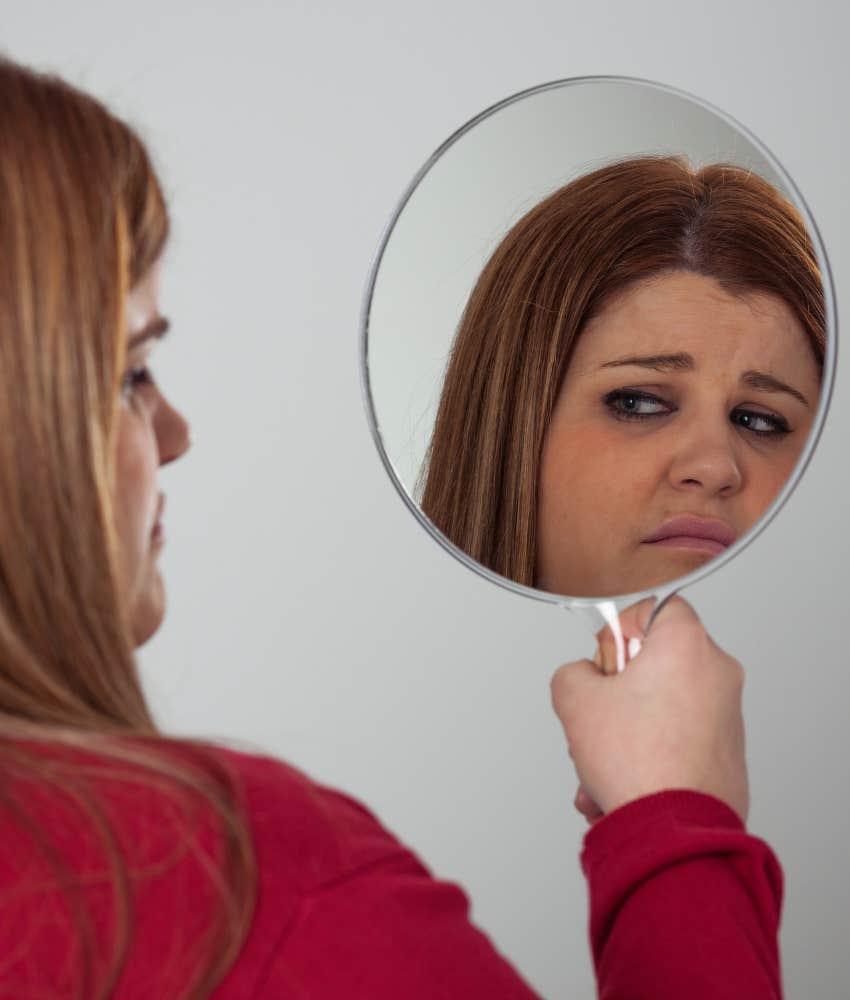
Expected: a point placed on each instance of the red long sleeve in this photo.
(684, 903)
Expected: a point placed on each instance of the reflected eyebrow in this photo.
(685, 362)
(657, 362)
(156, 329)
(768, 383)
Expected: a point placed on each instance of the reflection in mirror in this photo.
(598, 342)
(632, 381)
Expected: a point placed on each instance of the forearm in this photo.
(683, 902)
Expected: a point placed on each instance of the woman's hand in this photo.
(672, 719)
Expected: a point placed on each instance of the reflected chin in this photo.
(671, 562)
(645, 569)
(665, 566)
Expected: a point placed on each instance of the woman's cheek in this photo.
(135, 483)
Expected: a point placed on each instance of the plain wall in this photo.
(309, 615)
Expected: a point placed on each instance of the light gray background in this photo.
(309, 614)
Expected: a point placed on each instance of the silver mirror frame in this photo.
(603, 605)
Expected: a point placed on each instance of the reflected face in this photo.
(680, 418)
(150, 434)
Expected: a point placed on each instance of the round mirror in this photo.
(598, 341)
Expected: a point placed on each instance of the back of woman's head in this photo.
(82, 221)
(556, 269)
(82, 218)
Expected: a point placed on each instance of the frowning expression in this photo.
(682, 413)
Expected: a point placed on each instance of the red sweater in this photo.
(684, 903)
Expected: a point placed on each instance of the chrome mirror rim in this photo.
(662, 591)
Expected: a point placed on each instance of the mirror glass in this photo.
(598, 340)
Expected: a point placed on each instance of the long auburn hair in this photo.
(82, 220)
(558, 267)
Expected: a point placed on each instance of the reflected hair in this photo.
(82, 220)
(556, 269)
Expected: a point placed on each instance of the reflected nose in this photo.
(172, 431)
(706, 461)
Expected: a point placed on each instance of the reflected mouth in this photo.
(698, 534)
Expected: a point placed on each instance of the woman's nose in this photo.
(706, 461)
(172, 431)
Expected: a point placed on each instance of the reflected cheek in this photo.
(766, 480)
(595, 458)
(594, 477)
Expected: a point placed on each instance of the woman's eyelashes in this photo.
(628, 404)
(760, 423)
(632, 404)
(138, 377)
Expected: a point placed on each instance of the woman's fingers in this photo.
(632, 622)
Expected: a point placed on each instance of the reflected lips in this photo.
(700, 534)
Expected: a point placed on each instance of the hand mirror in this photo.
(598, 342)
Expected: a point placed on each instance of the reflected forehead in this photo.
(691, 314)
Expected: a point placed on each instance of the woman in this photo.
(632, 381)
(139, 865)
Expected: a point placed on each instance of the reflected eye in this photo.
(762, 424)
(627, 404)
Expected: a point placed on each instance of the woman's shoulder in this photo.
(342, 908)
(304, 831)
(62, 827)
(373, 922)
